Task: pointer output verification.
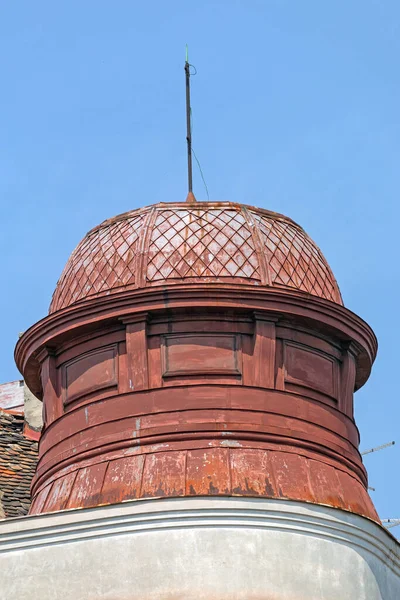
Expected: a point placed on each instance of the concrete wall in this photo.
(33, 410)
(199, 549)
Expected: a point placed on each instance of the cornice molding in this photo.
(133, 517)
(274, 303)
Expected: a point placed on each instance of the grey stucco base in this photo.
(198, 549)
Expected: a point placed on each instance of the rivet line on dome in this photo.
(258, 245)
(143, 245)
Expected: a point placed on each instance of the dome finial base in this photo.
(190, 197)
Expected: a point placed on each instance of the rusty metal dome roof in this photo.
(213, 242)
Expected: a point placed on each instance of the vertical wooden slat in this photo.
(264, 352)
(347, 381)
(52, 400)
(123, 375)
(154, 361)
(136, 352)
(279, 365)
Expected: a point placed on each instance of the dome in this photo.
(170, 243)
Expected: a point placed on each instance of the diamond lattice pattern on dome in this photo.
(161, 244)
(294, 260)
(201, 243)
(103, 261)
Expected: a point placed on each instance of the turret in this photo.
(198, 349)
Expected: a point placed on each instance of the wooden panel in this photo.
(164, 475)
(60, 492)
(207, 472)
(52, 401)
(90, 372)
(205, 323)
(263, 359)
(309, 339)
(123, 479)
(87, 343)
(87, 486)
(40, 500)
(123, 375)
(291, 475)
(279, 366)
(309, 368)
(251, 473)
(348, 378)
(205, 354)
(136, 347)
(154, 361)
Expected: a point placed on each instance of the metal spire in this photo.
(190, 196)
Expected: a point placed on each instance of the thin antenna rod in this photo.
(188, 124)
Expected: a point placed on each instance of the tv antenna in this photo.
(389, 523)
(392, 522)
(377, 448)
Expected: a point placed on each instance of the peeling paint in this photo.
(231, 444)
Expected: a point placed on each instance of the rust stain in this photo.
(269, 490)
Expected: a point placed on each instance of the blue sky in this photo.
(295, 109)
